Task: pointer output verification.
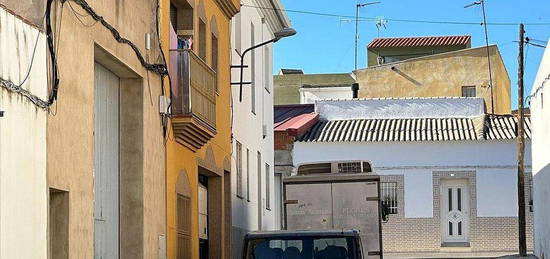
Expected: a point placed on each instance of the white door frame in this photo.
(455, 219)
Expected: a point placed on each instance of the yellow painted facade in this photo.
(215, 156)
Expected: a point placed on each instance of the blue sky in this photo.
(326, 44)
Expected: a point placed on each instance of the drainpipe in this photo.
(355, 90)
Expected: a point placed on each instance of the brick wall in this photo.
(400, 234)
(283, 141)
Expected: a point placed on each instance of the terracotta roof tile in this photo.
(420, 41)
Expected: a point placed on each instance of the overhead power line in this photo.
(373, 19)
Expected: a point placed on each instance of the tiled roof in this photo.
(291, 71)
(419, 41)
(504, 127)
(284, 112)
(412, 129)
(297, 125)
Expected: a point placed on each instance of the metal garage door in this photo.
(106, 164)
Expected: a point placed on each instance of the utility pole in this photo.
(482, 3)
(357, 26)
(521, 149)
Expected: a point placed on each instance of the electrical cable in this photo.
(77, 14)
(17, 88)
(394, 20)
(157, 68)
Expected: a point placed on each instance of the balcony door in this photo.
(455, 212)
(106, 163)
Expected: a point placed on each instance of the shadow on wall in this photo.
(401, 73)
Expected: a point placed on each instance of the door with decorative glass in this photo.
(455, 208)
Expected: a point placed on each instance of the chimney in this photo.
(355, 90)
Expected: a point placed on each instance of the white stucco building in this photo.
(252, 123)
(23, 189)
(312, 93)
(540, 113)
(449, 171)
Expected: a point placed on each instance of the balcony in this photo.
(194, 99)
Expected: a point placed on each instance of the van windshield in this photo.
(303, 248)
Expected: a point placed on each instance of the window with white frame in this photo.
(388, 193)
(239, 158)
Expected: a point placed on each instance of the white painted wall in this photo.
(248, 126)
(496, 191)
(400, 108)
(310, 95)
(540, 120)
(418, 160)
(23, 191)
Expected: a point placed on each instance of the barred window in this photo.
(388, 192)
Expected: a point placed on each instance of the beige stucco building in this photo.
(459, 73)
(287, 86)
(105, 134)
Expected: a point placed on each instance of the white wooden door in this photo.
(106, 164)
(455, 208)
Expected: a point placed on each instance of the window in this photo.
(202, 39)
(247, 174)
(181, 18)
(267, 187)
(214, 41)
(468, 91)
(267, 67)
(350, 167)
(388, 191)
(259, 174)
(252, 71)
(239, 158)
(303, 247)
(174, 16)
(354, 167)
(59, 224)
(238, 38)
(321, 168)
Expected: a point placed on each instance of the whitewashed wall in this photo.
(248, 126)
(540, 119)
(310, 95)
(418, 160)
(23, 192)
